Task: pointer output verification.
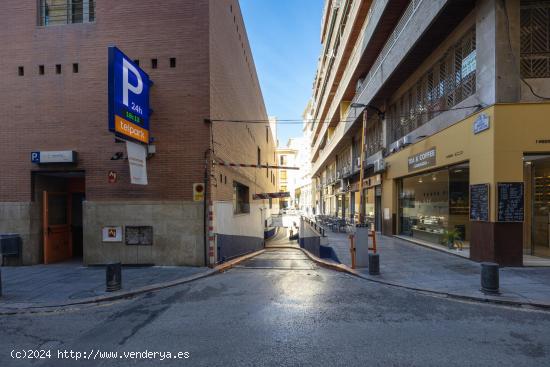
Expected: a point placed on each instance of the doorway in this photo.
(537, 206)
(60, 196)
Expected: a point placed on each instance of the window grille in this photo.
(449, 81)
(535, 39)
(57, 12)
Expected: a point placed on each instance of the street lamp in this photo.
(381, 116)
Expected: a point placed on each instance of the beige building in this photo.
(454, 96)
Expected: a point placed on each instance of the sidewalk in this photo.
(415, 266)
(25, 286)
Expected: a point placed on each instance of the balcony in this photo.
(422, 27)
(372, 36)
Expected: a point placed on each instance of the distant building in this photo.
(455, 97)
(54, 73)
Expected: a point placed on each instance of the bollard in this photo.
(114, 277)
(374, 264)
(489, 278)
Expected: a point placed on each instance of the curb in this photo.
(494, 300)
(56, 307)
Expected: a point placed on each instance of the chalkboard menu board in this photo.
(510, 201)
(479, 202)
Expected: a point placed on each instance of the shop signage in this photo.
(481, 123)
(61, 156)
(510, 201)
(198, 192)
(137, 158)
(479, 202)
(112, 234)
(422, 160)
(128, 98)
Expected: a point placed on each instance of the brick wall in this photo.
(69, 111)
(236, 95)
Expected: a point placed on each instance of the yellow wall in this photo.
(495, 155)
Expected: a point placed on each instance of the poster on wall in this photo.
(479, 202)
(510, 202)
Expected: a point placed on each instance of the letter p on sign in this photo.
(126, 86)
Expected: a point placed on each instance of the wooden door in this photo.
(56, 226)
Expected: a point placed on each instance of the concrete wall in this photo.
(178, 237)
(23, 218)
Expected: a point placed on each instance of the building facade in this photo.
(445, 102)
(197, 54)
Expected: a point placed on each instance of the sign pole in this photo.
(362, 169)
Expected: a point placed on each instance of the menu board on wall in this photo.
(510, 201)
(479, 202)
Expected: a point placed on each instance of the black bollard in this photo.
(374, 264)
(114, 277)
(489, 278)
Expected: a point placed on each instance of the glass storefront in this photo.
(435, 204)
(537, 204)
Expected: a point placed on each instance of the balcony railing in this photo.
(394, 36)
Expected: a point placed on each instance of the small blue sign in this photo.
(35, 157)
(129, 108)
(481, 123)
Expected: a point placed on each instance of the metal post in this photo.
(113, 277)
(352, 250)
(362, 169)
(489, 278)
(374, 264)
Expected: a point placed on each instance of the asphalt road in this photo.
(280, 309)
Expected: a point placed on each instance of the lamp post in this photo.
(362, 156)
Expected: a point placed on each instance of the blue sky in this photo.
(284, 36)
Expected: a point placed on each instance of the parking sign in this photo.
(128, 98)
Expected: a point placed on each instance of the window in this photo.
(267, 169)
(41, 69)
(136, 62)
(21, 71)
(267, 134)
(58, 69)
(154, 63)
(57, 12)
(241, 203)
(259, 156)
(535, 39)
(448, 82)
(75, 68)
(172, 62)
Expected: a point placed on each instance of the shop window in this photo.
(241, 198)
(58, 12)
(435, 203)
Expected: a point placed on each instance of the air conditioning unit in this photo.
(379, 165)
(343, 185)
(406, 140)
(359, 84)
